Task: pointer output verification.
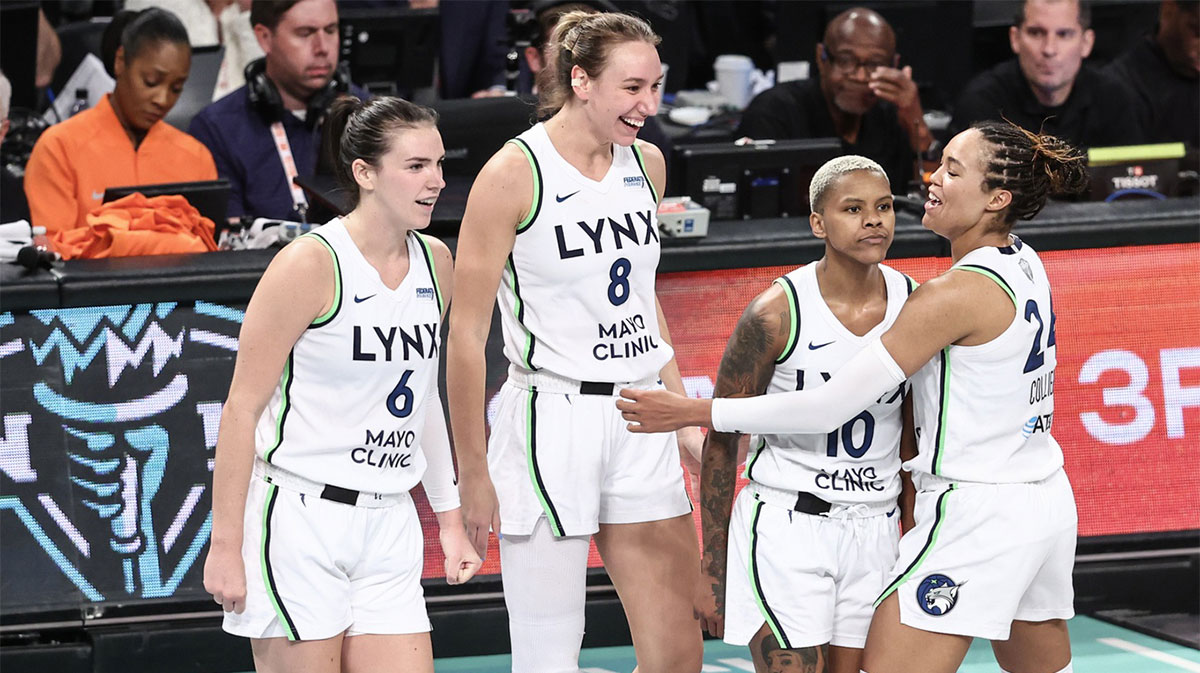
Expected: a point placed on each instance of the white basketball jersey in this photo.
(350, 407)
(577, 295)
(860, 461)
(983, 413)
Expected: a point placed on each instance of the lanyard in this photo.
(289, 168)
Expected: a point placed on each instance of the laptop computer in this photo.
(210, 197)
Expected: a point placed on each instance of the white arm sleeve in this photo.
(859, 382)
(441, 486)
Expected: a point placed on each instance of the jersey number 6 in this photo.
(403, 394)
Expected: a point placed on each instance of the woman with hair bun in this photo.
(561, 230)
(123, 139)
(333, 416)
(993, 549)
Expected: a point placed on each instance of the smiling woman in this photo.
(122, 140)
(574, 277)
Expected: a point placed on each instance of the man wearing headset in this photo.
(267, 132)
(861, 97)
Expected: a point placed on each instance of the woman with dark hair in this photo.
(565, 215)
(994, 544)
(333, 415)
(123, 139)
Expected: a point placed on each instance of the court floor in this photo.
(1098, 647)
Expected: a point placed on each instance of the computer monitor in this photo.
(210, 197)
(198, 91)
(758, 180)
(391, 50)
(1134, 171)
(473, 129)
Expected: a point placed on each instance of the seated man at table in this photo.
(123, 140)
(1047, 88)
(1163, 69)
(860, 97)
(285, 98)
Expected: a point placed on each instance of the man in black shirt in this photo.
(1163, 70)
(861, 97)
(1046, 88)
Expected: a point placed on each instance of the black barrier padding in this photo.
(232, 276)
(60, 658)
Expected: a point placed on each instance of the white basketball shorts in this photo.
(316, 568)
(569, 457)
(811, 578)
(982, 555)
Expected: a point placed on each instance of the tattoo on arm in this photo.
(745, 371)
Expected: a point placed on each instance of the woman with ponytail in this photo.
(993, 549)
(560, 229)
(333, 416)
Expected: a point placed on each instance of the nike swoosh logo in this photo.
(359, 300)
(813, 347)
(560, 199)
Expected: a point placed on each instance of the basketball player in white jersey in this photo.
(333, 416)
(994, 544)
(561, 230)
(814, 533)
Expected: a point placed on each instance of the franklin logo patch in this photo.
(937, 594)
(426, 294)
(635, 181)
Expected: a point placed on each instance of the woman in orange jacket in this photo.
(123, 139)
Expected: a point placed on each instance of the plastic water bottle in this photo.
(81, 102)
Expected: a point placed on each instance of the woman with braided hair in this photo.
(993, 548)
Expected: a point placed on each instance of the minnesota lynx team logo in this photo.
(110, 418)
(937, 594)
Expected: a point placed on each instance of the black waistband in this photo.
(595, 388)
(345, 496)
(807, 503)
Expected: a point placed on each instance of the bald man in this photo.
(861, 97)
(1047, 88)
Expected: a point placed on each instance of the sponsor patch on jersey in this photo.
(938, 594)
(635, 181)
(426, 293)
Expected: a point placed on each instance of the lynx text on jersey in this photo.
(375, 343)
(583, 238)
